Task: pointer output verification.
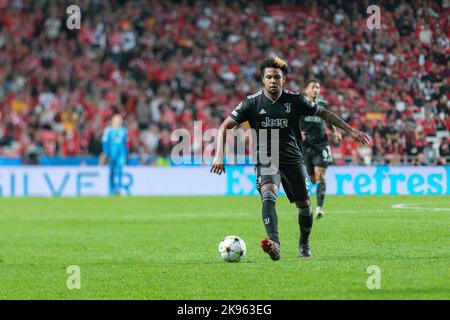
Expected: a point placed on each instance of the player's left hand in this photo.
(361, 137)
(103, 159)
(218, 166)
(337, 136)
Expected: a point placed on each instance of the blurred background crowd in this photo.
(165, 64)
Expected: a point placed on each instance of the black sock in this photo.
(305, 221)
(321, 187)
(269, 215)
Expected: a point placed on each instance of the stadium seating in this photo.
(164, 64)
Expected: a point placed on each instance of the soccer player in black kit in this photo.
(277, 112)
(317, 151)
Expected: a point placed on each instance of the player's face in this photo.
(313, 90)
(116, 121)
(273, 80)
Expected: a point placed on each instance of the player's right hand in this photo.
(218, 166)
(337, 136)
(361, 137)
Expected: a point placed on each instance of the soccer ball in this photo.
(232, 249)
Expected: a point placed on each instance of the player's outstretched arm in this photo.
(218, 165)
(333, 119)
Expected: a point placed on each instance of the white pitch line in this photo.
(416, 206)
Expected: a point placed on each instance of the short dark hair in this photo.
(311, 81)
(274, 62)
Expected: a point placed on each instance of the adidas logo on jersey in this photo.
(262, 111)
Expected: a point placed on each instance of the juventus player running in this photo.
(317, 151)
(277, 112)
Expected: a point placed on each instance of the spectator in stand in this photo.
(350, 150)
(165, 145)
(430, 154)
(444, 151)
(150, 139)
(95, 144)
(420, 160)
(171, 63)
(70, 146)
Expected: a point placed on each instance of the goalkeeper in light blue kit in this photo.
(115, 152)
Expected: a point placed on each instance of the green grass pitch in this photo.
(167, 248)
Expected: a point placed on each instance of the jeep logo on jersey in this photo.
(287, 105)
(275, 123)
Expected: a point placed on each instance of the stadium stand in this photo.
(165, 64)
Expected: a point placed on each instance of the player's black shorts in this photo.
(293, 177)
(317, 157)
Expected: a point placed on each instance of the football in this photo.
(232, 249)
